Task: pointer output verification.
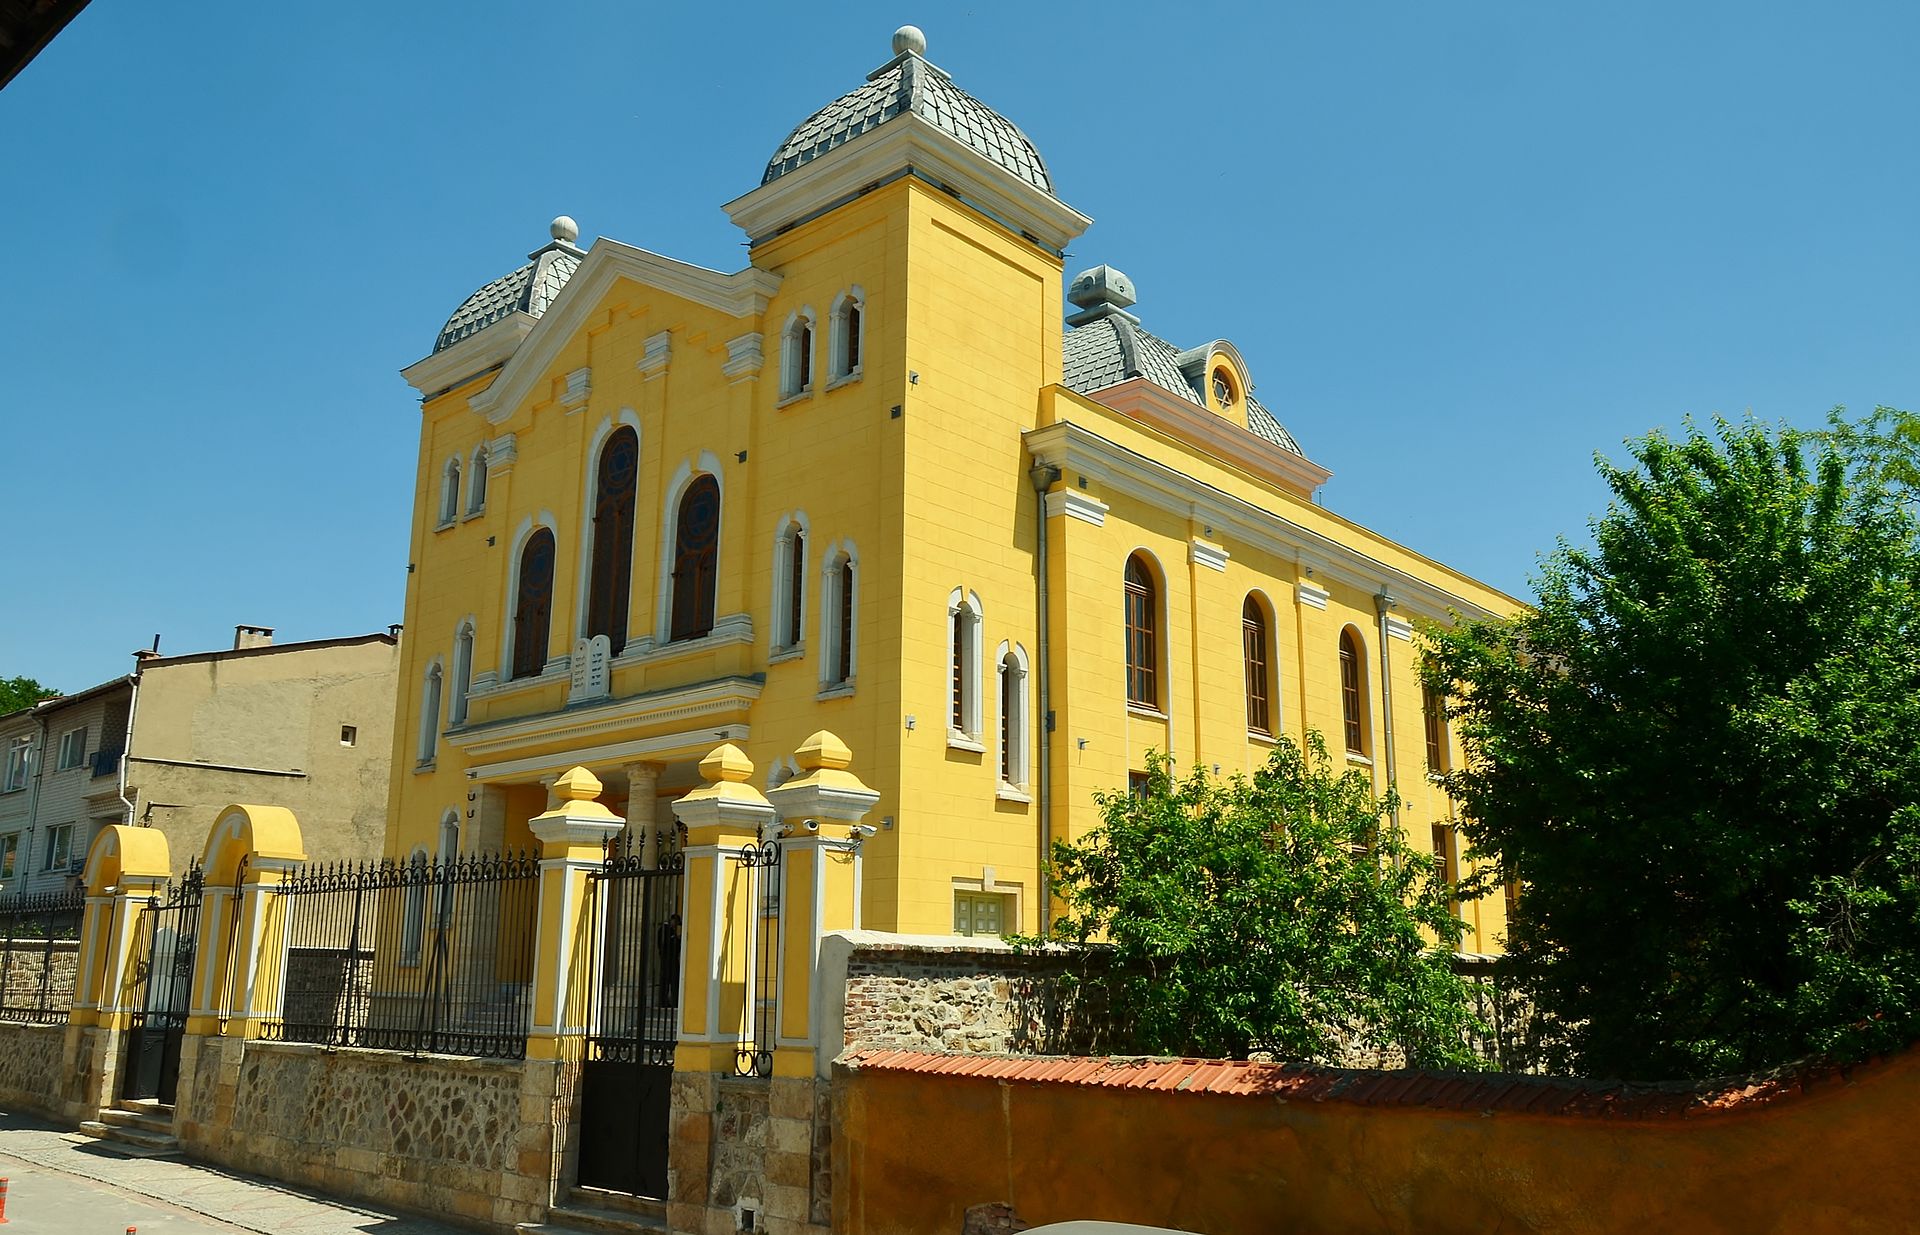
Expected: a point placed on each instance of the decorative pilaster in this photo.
(573, 837)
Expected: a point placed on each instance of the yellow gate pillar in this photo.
(821, 810)
(240, 948)
(724, 819)
(573, 837)
(127, 868)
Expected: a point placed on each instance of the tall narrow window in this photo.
(1013, 717)
(1253, 639)
(963, 635)
(796, 355)
(1353, 692)
(430, 714)
(844, 340)
(1446, 858)
(533, 606)
(695, 560)
(462, 674)
(477, 483)
(413, 907)
(450, 491)
(611, 580)
(789, 586)
(449, 852)
(837, 665)
(1143, 687)
(1434, 710)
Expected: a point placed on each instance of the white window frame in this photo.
(450, 492)
(60, 843)
(462, 677)
(961, 602)
(432, 683)
(10, 855)
(838, 555)
(690, 470)
(413, 910)
(73, 749)
(838, 371)
(19, 757)
(449, 852)
(529, 525)
(477, 481)
(781, 641)
(967, 892)
(1016, 740)
(800, 336)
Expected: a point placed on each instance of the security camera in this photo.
(864, 830)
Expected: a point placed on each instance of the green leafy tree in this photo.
(1882, 448)
(18, 693)
(1280, 912)
(1702, 754)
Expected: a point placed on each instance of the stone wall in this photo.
(743, 1145)
(36, 978)
(32, 1065)
(973, 998)
(469, 1139)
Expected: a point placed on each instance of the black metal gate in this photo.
(632, 1025)
(163, 986)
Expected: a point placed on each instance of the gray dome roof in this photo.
(1109, 348)
(530, 289)
(908, 83)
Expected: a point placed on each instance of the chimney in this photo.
(252, 637)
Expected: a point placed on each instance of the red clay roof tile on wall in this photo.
(1551, 1096)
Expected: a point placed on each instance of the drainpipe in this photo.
(126, 743)
(1042, 475)
(1383, 604)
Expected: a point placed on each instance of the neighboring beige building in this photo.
(304, 725)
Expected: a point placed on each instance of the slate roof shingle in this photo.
(530, 289)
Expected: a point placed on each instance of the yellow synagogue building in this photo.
(873, 483)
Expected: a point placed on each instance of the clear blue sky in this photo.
(1462, 247)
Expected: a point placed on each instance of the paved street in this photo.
(62, 1183)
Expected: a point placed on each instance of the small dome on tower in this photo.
(529, 289)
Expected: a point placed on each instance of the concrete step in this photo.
(148, 1106)
(159, 1125)
(644, 1207)
(134, 1142)
(592, 1220)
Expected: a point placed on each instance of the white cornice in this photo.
(694, 743)
(1152, 404)
(1206, 553)
(1077, 448)
(742, 294)
(470, 357)
(907, 142)
(1076, 505)
(1311, 595)
(728, 695)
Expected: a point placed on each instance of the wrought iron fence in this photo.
(761, 866)
(412, 956)
(39, 954)
(636, 986)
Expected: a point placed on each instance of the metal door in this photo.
(163, 979)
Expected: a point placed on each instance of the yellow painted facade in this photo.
(916, 466)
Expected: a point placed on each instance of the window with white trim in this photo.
(846, 337)
(838, 611)
(430, 713)
(462, 674)
(16, 773)
(982, 913)
(73, 749)
(450, 491)
(796, 355)
(59, 847)
(477, 481)
(963, 655)
(449, 850)
(1014, 729)
(413, 909)
(789, 585)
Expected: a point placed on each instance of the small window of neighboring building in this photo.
(9, 854)
(696, 553)
(349, 735)
(450, 492)
(1353, 692)
(982, 913)
(73, 749)
(16, 774)
(1434, 711)
(59, 847)
(1143, 648)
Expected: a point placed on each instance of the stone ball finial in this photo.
(564, 229)
(727, 764)
(577, 784)
(909, 39)
(823, 750)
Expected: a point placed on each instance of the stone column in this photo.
(643, 793)
(551, 783)
(573, 837)
(489, 831)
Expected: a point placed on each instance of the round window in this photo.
(1222, 388)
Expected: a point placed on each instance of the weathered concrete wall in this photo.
(1315, 1150)
(469, 1139)
(32, 1065)
(743, 1144)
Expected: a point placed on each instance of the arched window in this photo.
(611, 578)
(1353, 691)
(1255, 645)
(533, 607)
(1013, 717)
(1433, 709)
(413, 908)
(789, 585)
(963, 653)
(450, 491)
(1143, 634)
(430, 713)
(462, 674)
(796, 355)
(449, 851)
(696, 550)
(836, 666)
(477, 482)
(846, 341)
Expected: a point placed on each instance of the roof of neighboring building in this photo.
(528, 289)
(1111, 349)
(378, 636)
(908, 83)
